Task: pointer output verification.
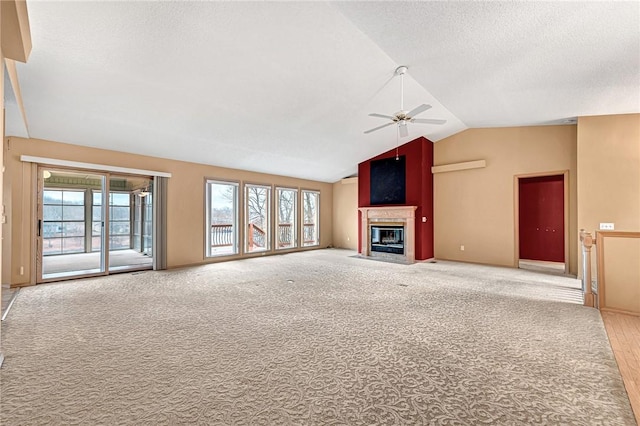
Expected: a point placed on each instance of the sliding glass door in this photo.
(92, 223)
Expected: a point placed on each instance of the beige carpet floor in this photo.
(312, 338)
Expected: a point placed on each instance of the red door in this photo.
(541, 215)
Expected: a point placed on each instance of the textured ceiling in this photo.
(286, 88)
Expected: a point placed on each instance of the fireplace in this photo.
(387, 239)
(388, 232)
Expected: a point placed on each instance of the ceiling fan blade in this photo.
(428, 121)
(381, 116)
(419, 109)
(404, 132)
(379, 127)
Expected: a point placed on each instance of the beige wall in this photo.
(476, 208)
(185, 213)
(345, 214)
(609, 172)
(609, 191)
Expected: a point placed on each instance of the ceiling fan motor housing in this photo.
(401, 70)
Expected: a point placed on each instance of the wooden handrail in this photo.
(256, 236)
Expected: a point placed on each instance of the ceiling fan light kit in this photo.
(402, 117)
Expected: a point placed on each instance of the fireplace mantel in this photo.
(405, 215)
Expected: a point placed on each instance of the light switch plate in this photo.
(606, 226)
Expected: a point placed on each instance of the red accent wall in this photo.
(419, 190)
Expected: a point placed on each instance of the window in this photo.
(119, 221)
(310, 217)
(142, 222)
(286, 223)
(147, 224)
(257, 218)
(222, 218)
(63, 221)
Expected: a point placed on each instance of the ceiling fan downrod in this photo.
(401, 71)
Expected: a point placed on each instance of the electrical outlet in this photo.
(606, 226)
(461, 248)
(424, 218)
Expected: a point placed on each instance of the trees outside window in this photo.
(257, 218)
(310, 216)
(287, 212)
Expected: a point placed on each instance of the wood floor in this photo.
(624, 335)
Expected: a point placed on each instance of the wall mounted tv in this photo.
(388, 181)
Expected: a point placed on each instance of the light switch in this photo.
(606, 226)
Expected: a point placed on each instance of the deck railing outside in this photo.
(222, 235)
(309, 232)
(285, 235)
(257, 237)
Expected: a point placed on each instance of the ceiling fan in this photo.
(402, 117)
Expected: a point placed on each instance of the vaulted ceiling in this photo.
(286, 88)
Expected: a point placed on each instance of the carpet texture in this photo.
(312, 338)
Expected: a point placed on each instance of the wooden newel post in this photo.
(250, 236)
(587, 242)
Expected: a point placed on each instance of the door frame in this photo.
(516, 213)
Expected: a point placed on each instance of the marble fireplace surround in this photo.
(392, 215)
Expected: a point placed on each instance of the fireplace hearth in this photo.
(387, 239)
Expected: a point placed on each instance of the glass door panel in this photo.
(69, 243)
(130, 223)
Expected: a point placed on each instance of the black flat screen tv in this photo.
(388, 181)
